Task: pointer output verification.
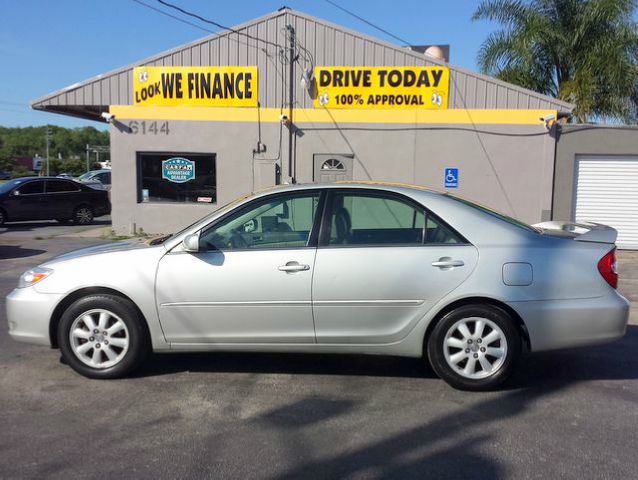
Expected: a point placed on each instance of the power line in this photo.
(174, 16)
(10, 110)
(19, 104)
(474, 128)
(367, 22)
(218, 25)
(181, 20)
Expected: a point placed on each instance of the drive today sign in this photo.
(231, 86)
(382, 87)
(178, 170)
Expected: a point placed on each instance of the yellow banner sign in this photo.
(382, 87)
(233, 86)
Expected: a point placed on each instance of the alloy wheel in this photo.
(99, 338)
(475, 347)
(83, 215)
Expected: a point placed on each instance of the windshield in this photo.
(494, 213)
(6, 187)
(85, 176)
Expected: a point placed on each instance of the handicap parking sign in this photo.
(451, 178)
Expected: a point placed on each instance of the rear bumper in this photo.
(554, 324)
(29, 313)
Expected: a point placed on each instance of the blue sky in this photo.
(49, 44)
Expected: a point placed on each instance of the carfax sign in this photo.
(231, 86)
(178, 170)
(382, 87)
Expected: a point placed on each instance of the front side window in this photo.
(31, 188)
(369, 219)
(282, 221)
(177, 177)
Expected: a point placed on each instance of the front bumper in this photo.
(29, 314)
(554, 324)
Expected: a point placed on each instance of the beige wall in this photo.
(585, 140)
(509, 170)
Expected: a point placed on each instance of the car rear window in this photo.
(494, 213)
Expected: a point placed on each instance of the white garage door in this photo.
(607, 192)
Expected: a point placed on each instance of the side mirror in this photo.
(191, 243)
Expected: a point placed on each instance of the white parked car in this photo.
(339, 268)
(100, 179)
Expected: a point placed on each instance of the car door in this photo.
(61, 197)
(250, 281)
(383, 261)
(25, 201)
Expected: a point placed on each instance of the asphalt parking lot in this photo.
(570, 414)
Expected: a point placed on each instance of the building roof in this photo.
(330, 44)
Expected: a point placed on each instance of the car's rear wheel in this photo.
(474, 347)
(3, 217)
(83, 215)
(102, 336)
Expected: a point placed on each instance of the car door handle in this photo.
(293, 267)
(447, 262)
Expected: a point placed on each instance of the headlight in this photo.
(33, 276)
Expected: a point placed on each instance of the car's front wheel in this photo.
(474, 347)
(102, 336)
(3, 217)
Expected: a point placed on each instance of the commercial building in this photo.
(290, 97)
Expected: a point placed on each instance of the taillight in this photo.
(607, 268)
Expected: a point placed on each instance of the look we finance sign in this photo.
(229, 86)
(382, 87)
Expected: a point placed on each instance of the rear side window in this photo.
(494, 213)
(32, 188)
(59, 186)
(368, 219)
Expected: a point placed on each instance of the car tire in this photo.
(3, 217)
(102, 336)
(83, 215)
(468, 359)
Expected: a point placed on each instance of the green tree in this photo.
(67, 147)
(582, 51)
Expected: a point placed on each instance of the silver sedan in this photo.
(340, 268)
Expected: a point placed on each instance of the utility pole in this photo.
(48, 138)
(97, 149)
(291, 98)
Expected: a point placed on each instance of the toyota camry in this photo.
(341, 268)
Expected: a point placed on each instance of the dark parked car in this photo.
(51, 198)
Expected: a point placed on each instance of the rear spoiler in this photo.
(585, 231)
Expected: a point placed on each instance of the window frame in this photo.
(139, 180)
(314, 231)
(326, 219)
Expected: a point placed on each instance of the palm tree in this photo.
(582, 51)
